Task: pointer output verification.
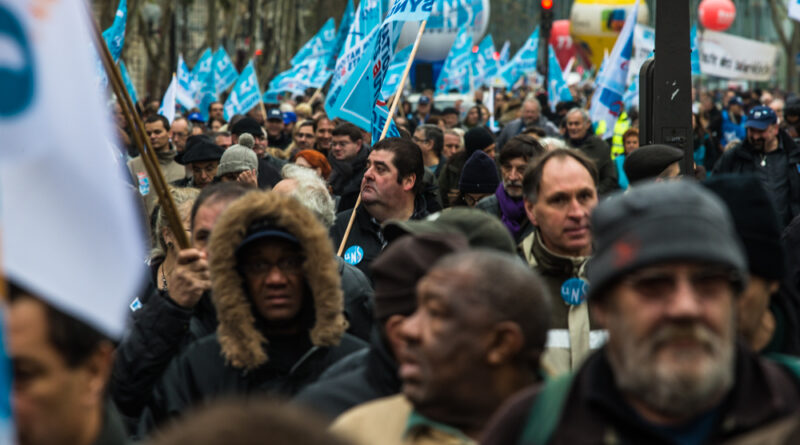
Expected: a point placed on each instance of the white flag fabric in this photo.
(184, 93)
(70, 230)
(167, 108)
(794, 9)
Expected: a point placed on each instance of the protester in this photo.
(178, 132)
(324, 134)
(630, 142)
(269, 167)
(314, 160)
(474, 118)
(474, 340)
(60, 373)
(391, 189)
(157, 128)
(304, 138)
(731, 124)
(240, 164)
(279, 307)
(560, 191)
(479, 179)
(348, 158)
(276, 137)
(423, 112)
(450, 117)
(579, 136)
(453, 142)
(216, 111)
(653, 162)
(507, 201)
(530, 115)
(202, 158)
(216, 124)
(223, 139)
(477, 139)
(430, 140)
(772, 156)
(665, 278)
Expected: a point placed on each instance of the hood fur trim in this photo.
(243, 345)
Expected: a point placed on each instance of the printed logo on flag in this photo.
(16, 66)
(144, 183)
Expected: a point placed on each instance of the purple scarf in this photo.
(512, 211)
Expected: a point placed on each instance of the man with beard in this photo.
(666, 275)
(772, 156)
(507, 203)
(348, 157)
(530, 115)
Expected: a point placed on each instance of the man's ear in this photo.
(97, 372)
(529, 211)
(408, 182)
(505, 343)
(392, 329)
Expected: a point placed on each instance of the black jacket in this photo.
(597, 150)
(357, 299)
(742, 159)
(268, 173)
(369, 375)
(346, 176)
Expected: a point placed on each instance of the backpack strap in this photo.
(546, 411)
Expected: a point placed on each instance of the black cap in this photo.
(274, 114)
(200, 152)
(478, 138)
(649, 161)
(248, 125)
(263, 229)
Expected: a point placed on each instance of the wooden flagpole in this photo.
(142, 141)
(400, 87)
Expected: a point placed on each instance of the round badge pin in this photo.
(353, 255)
(574, 291)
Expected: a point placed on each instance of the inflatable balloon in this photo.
(447, 18)
(716, 15)
(596, 23)
(562, 43)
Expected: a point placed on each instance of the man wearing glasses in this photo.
(667, 272)
(348, 159)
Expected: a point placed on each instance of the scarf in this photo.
(512, 211)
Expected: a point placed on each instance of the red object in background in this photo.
(562, 43)
(716, 15)
(258, 52)
(547, 4)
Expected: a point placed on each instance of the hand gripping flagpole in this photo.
(142, 141)
(393, 110)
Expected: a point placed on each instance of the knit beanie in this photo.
(238, 158)
(756, 222)
(396, 271)
(477, 139)
(649, 161)
(661, 222)
(479, 174)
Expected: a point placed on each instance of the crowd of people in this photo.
(494, 276)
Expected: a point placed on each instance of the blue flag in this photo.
(456, 70)
(225, 71)
(200, 71)
(379, 116)
(505, 53)
(344, 29)
(607, 101)
(321, 46)
(695, 52)
(368, 18)
(557, 91)
(115, 35)
(395, 72)
(484, 65)
(312, 74)
(523, 62)
(184, 94)
(126, 79)
(207, 94)
(244, 95)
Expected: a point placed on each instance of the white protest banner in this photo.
(794, 9)
(734, 57)
(644, 42)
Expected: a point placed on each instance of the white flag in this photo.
(167, 108)
(794, 9)
(70, 230)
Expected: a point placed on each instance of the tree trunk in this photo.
(211, 29)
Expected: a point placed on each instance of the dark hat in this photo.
(200, 152)
(735, 100)
(274, 114)
(396, 271)
(263, 229)
(477, 138)
(424, 100)
(479, 174)
(480, 228)
(449, 110)
(247, 125)
(756, 222)
(649, 161)
(760, 118)
(194, 139)
(195, 117)
(661, 222)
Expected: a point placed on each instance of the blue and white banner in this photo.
(344, 29)
(557, 90)
(456, 70)
(321, 46)
(379, 116)
(368, 18)
(607, 101)
(524, 61)
(200, 72)
(395, 73)
(115, 34)
(48, 70)
(244, 95)
(505, 52)
(207, 94)
(695, 52)
(184, 94)
(483, 62)
(126, 79)
(167, 108)
(225, 71)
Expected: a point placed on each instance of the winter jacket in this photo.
(372, 375)
(597, 150)
(357, 299)
(570, 337)
(366, 241)
(346, 176)
(112, 432)
(449, 176)
(268, 173)
(515, 127)
(171, 169)
(240, 358)
(588, 408)
(491, 205)
(743, 158)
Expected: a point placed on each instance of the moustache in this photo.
(676, 332)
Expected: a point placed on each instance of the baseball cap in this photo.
(289, 117)
(424, 100)
(195, 117)
(760, 118)
(263, 229)
(735, 100)
(274, 114)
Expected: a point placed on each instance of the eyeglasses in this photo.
(419, 141)
(659, 283)
(261, 268)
